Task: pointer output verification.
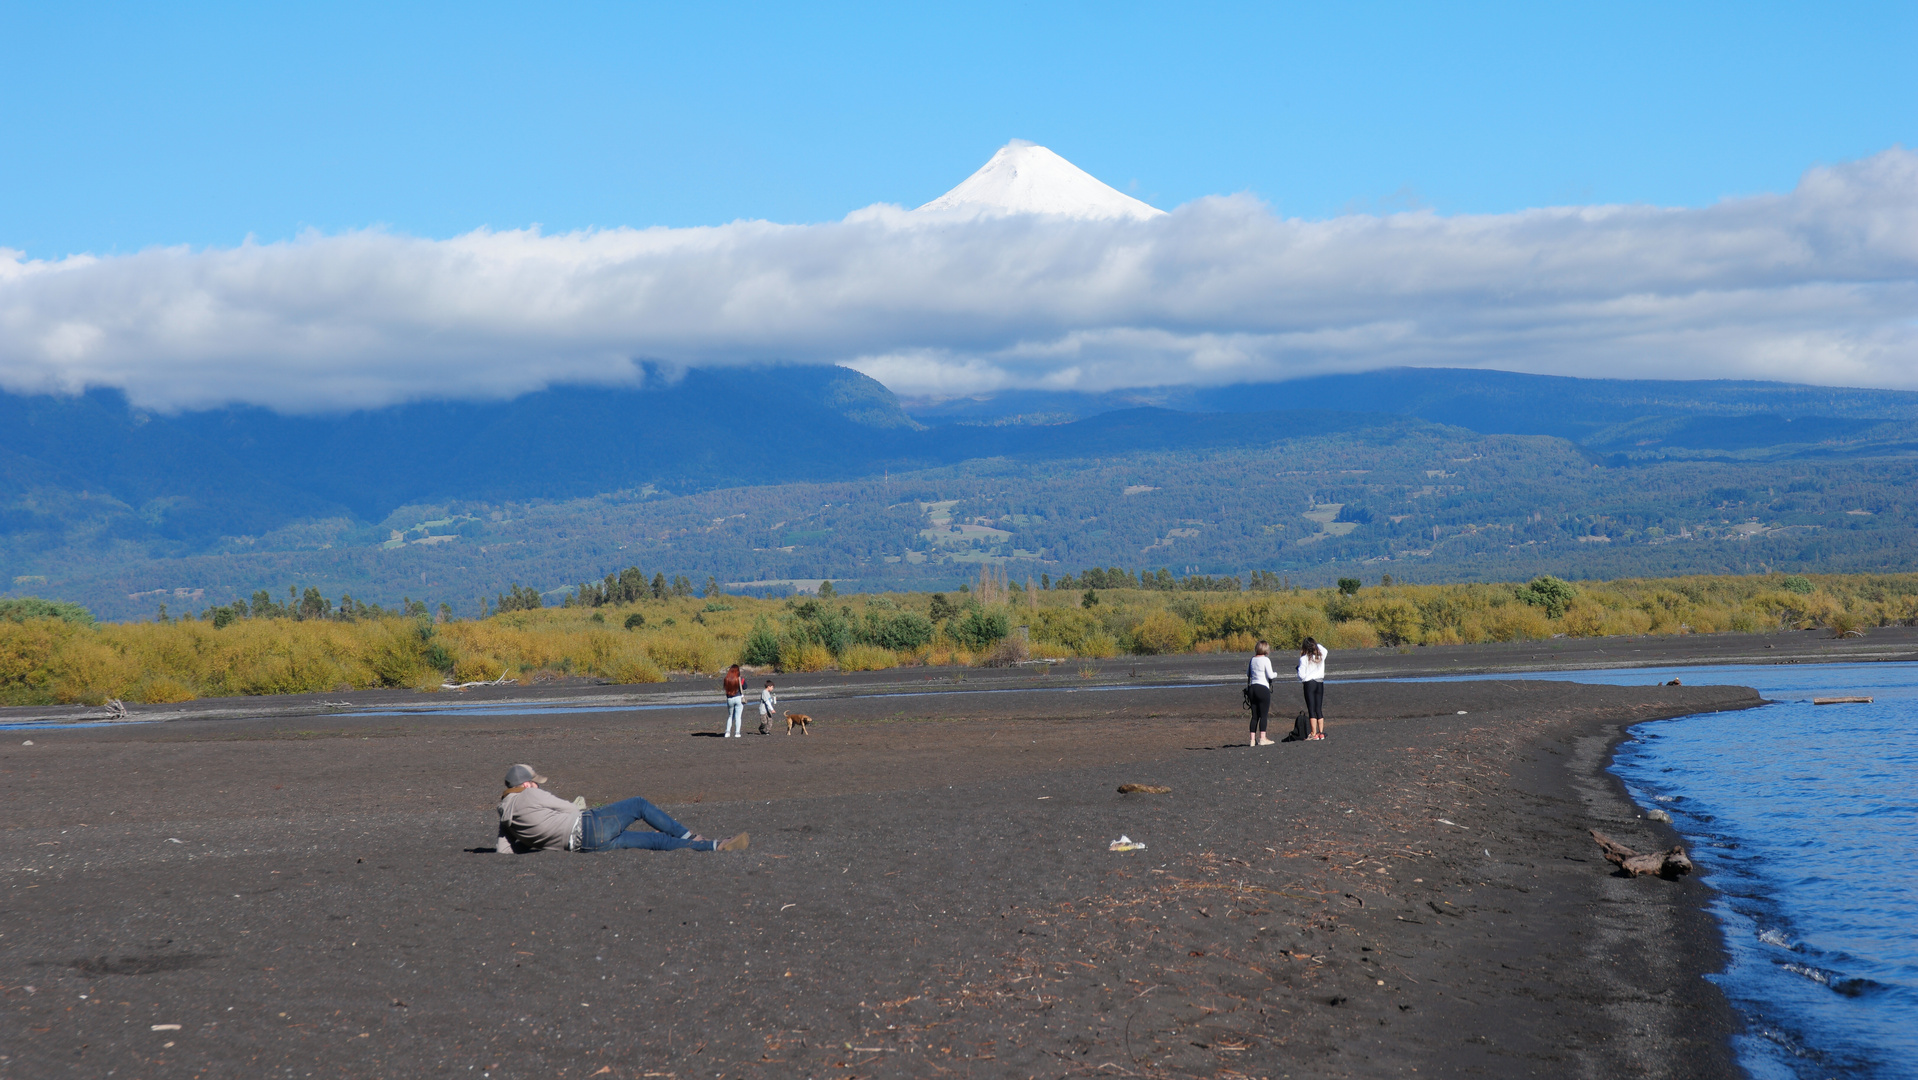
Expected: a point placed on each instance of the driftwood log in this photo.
(1670, 865)
(1841, 701)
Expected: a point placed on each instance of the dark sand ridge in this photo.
(933, 891)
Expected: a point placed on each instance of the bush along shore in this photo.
(631, 630)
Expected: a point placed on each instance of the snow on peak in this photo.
(1026, 178)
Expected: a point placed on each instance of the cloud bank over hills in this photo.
(1819, 285)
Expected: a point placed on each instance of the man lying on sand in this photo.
(533, 819)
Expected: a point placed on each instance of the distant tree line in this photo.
(626, 586)
(1114, 577)
(310, 604)
(630, 586)
(518, 598)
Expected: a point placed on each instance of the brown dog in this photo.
(797, 720)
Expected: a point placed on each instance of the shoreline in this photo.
(1671, 942)
(930, 868)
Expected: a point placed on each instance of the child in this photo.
(766, 703)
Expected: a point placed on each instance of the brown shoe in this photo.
(734, 843)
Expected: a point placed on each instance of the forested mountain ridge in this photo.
(784, 475)
(1703, 414)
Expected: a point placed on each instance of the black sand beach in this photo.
(307, 889)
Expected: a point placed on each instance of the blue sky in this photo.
(1669, 191)
(138, 125)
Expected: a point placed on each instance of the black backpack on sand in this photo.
(1301, 727)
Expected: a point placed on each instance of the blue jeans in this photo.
(734, 707)
(603, 828)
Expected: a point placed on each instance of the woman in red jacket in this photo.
(735, 687)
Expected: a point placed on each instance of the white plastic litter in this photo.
(1125, 843)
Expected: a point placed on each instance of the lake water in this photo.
(1805, 818)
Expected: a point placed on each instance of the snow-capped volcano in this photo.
(1026, 178)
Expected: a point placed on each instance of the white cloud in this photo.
(1819, 285)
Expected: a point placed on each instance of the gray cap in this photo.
(520, 774)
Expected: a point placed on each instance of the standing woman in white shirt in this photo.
(1258, 678)
(1312, 677)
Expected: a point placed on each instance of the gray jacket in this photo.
(535, 819)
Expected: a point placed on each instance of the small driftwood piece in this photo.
(1670, 865)
(1841, 701)
(1144, 789)
(501, 681)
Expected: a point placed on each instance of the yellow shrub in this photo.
(633, 668)
(1584, 617)
(1098, 646)
(596, 650)
(1398, 621)
(394, 656)
(1518, 622)
(1071, 629)
(1043, 650)
(475, 668)
(805, 658)
(1239, 642)
(1007, 652)
(1161, 632)
(26, 658)
(296, 667)
(87, 671)
(1282, 621)
(867, 658)
(161, 690)
(517, 646)
(689, 651)
(1352, 634)
(1623, 623)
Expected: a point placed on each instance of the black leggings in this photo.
(1315, 699)
(1261, 707)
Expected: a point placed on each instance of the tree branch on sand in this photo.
(1670, 865)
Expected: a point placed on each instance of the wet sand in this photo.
(308, 889)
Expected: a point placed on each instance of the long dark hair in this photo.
(1310, 647)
